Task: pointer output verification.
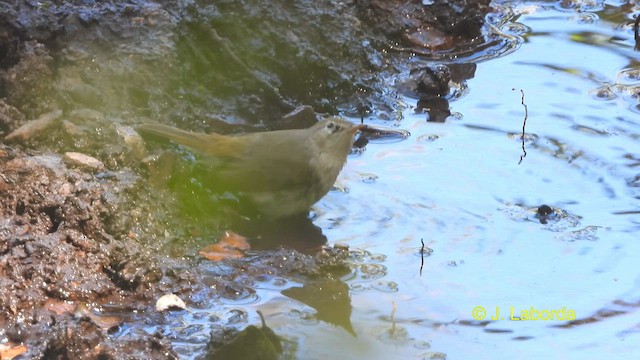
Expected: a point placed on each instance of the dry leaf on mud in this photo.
(231, 246)
(8, 352)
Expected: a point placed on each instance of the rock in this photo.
(75, 159)
(34, 127)
(71, 128)
(27, 83)
(428, 82)
(132, 140)
(170, 302)
(10, 117)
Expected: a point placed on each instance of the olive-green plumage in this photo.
(281, 172)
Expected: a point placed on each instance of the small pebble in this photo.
(75, 159)
(170, 302)
(33, 127)
(133, 140)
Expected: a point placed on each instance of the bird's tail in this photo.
(182, 137)
(213, 144)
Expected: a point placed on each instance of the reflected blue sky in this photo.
(466, 196)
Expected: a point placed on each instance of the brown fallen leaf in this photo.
(230, 246)
(237, 241)
(8, 352)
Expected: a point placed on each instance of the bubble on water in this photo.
(423, 252)
(603, 93)
(586, 18)
(237, 316)
(274, 283)
(454, 263)
(352, 274)
(359, 286)
(195, 333)
(369, 178)
(428, 138)
(240, 297)
(516, 29)
(458, 90)
(372, 271)
(553, 218)
(386, 286)
(581, 6)
(358, 255)
(378, 257)
(632, 91)
(306, 317)
(455, 116)
(528, 138)
(629, 75)
(422, 345)
(279, 282)
(588, 233)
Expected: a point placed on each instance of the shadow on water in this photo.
(299, 233)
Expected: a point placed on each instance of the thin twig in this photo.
(422, 255)
(636, 36)
(393, 317)
(524, 124)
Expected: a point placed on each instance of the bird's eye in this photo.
(330, 125)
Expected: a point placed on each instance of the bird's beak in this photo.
(357, 128)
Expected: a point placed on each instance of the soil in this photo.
(74, 238)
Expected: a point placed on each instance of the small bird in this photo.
(282, 173)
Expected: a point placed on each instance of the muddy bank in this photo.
(76, 233)
(57, 251)
(200, 64)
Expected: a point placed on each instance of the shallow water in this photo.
(458, 186)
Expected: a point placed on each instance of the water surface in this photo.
(459, 187)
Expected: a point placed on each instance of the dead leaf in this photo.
(230, 246)
(8, 352)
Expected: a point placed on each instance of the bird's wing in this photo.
(268, 163)
(247, 163)
(216, 145)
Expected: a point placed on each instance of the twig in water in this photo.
(393, 317)
(422, 255)
(524, 124)
(636, 36)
